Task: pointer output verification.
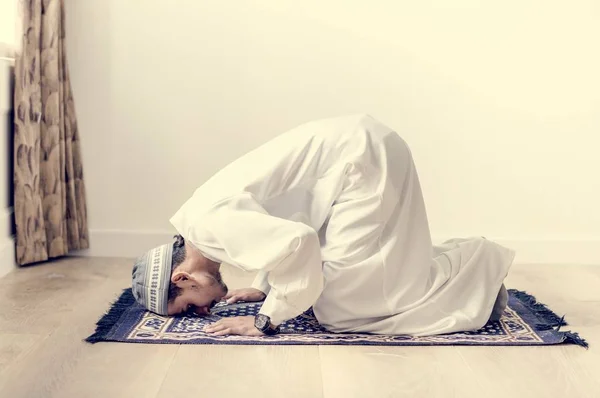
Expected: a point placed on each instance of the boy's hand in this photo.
(238, 325)
(247, 294)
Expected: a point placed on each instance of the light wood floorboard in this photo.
(47, 310)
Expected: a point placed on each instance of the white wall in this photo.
(7, 44)
(500, 102)
(8, 24)
(7, 257)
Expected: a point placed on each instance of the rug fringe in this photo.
(550, 319)
(546, 315)
(574, 338)
(540, 327)
(110, 318)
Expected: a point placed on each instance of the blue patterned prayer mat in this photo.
(525, 323)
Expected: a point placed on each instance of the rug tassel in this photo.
(574, 338)
(546, 315)
(561, 323)
(105, 324)
(549, 318)
(540, 327)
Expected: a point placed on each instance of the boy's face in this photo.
(200, 291)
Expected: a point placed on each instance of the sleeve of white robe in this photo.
(288, 251)
(261, 282)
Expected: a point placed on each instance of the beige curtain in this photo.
(50, 204)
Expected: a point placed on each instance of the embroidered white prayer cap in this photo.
(151, 277)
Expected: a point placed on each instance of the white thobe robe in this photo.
(331, 215)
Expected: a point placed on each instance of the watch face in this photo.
(261, 322)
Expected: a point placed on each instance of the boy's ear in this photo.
(180, 276)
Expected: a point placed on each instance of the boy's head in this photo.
(176, 278)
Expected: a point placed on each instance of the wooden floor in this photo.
(46, 311)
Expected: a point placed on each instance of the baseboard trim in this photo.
(583, 251)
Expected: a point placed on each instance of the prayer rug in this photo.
(524, 323)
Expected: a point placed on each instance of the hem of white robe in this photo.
(447, 325)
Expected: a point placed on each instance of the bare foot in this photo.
(500, 304)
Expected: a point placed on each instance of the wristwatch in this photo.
(263, 323)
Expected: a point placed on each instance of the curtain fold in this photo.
(50, 202)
